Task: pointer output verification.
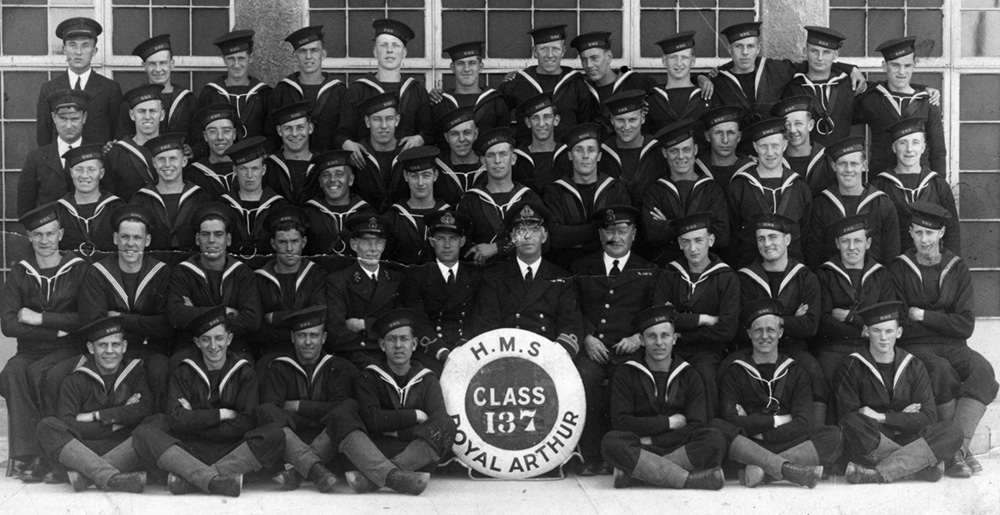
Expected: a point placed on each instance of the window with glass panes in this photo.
(31, 54)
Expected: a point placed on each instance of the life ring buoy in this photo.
(518, 402)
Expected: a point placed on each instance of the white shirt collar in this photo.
(62, 147)
(445, 268)
(524, 267)
(84, 78)
(371, 275)
(610, 261)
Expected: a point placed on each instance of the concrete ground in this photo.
(576, 496)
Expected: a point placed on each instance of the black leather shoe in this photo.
(230, 486)
(711, 479)
(35, 472)
(130, 482)
(859, 475)
(801, 475)
(17, 468)
(406, 482)
(324, 480)
(288, 480)
(604, 469)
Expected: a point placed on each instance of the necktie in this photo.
(528, 276)
(614, 269)
(451, 277)
(77, 86)
(374, 279)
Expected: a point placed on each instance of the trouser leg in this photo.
(22, 411)
(593, 376)
(417, 455)
(297, 453)
(365, 455)
(911, 458)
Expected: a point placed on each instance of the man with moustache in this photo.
(682, 192)
(570, 92)
(575, 197)
(613, 284)
(332, 205)
(530, 292)
(44, 178)
(705, 293)
(326, 98)
(488, 205)
(39, 308)
(459, 167)
(178, 103)
(848, 197)
(442, 293)
(214, 173)
(849, 284)
(213, 278)
(767, 186)
(172, 200)
(362, 292)
(79, 45)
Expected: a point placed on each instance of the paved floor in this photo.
(574, 496)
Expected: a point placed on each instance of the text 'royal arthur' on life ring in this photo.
(518, 402)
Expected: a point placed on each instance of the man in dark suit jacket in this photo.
(44, 177)
(529, 292)
(614, 284)
(360, 293)
(79, 37)
(442, 293)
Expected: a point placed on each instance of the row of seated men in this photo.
(638, 126)
(586, 311)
